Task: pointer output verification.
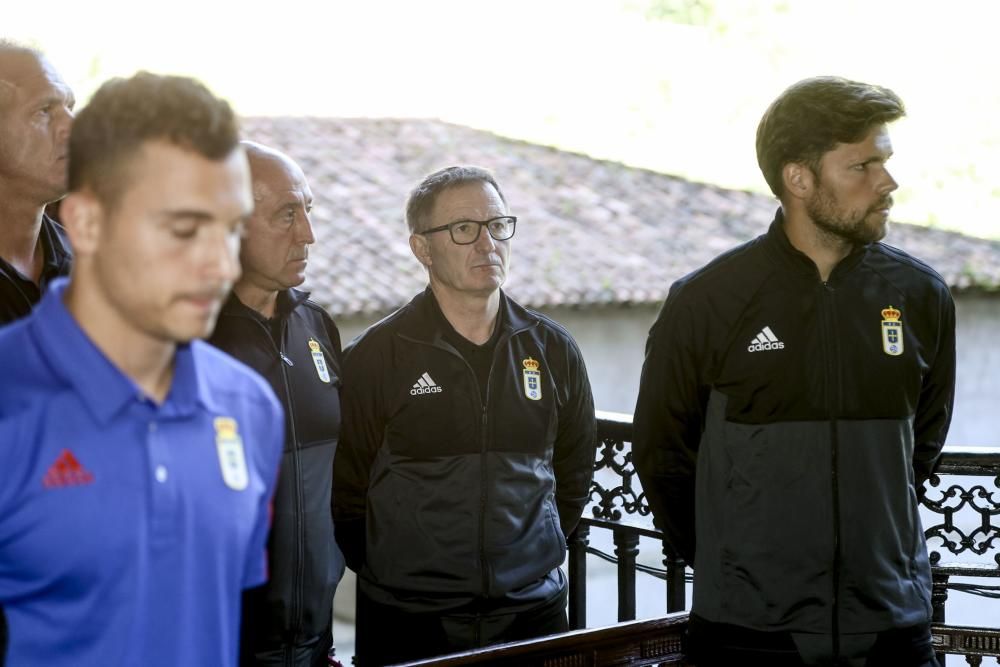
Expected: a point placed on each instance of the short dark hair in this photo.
(124, 114)
(814, 115)
(422, 197)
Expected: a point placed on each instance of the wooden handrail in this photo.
(636, 643)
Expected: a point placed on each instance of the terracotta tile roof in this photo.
(590, 232)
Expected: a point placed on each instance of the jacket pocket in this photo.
(776, 542)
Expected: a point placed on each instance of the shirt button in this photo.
(161, 474)
(152, 427)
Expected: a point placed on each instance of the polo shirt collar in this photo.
(101, 385)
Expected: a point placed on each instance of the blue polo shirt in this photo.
(128, 530)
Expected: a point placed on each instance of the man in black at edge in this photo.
(796, 394)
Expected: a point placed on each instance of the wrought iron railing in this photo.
(963, 497)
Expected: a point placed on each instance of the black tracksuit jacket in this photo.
(298, 353)
(442, 496)
(784, 427)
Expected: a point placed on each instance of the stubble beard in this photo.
(839, 225)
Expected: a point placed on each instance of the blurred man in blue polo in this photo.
(136, 464)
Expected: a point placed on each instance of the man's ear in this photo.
(83, 217)
(798, 179)
(421, 249)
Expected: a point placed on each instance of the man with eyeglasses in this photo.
(467, 444)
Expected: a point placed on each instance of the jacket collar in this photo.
(56, 254)
(777, 240)
(288, 300)
(425, 322)
(55, 247)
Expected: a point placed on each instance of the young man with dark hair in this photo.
(467, 446)
(136, 463)
(275, 329)
(795, 396)
(36, 111)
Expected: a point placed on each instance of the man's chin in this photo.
(875, 232)
(195, 329)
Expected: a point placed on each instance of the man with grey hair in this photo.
(36, 110)
(467, 445)
(291, 341)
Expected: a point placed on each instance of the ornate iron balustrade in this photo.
(965, 542)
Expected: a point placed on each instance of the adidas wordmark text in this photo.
(425, 385)
(765, 340)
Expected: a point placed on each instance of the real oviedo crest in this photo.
(319, 361)
(532, 379)
(892, 331)
(232, 460)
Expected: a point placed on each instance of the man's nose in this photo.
(222, 258)
(304, 231)
(485, 243)
(64, 121)
(888, 183)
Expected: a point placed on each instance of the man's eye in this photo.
(184, 231)
(464, 227)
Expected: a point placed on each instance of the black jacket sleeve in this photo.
(668, 422)
(937, 396)
(573, 455)
(360, 438)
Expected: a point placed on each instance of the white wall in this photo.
(977, 388)
(613, 340)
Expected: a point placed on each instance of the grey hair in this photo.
(421, 200)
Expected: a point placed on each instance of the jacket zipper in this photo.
(299, 502)
(483, 477)
(832, 400)
(483, 494)
(484, 441)
(286, 363)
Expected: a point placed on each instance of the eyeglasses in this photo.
(464, 232)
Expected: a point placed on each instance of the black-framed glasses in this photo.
(464, 232)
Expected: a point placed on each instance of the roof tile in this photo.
(589, 232)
